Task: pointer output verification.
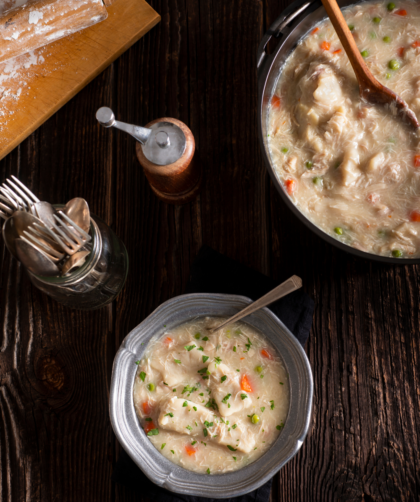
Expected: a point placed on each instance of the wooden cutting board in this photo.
(34, 86)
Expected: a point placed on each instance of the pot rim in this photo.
(288, 21)
(158, 468)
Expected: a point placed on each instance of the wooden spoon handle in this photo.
(363, 74)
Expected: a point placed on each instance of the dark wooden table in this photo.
(198, 65)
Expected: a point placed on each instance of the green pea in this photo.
(351, 27)
(377, 19)
(393, 64)
(255, 419)
(388, 76)
(396, 253)
(387, 39)
(317, 181)
(197, 336)
(258, 369)
(309, 164)
(365, 53)
(284, 150)
(151, 386)
(338, 230)
(391, 6)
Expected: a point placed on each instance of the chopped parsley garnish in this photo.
(148, 419)
(173, 452)
(208, 424)
(201, 394)
(212, 404)
(184, 404)
(248, 345)
(224, 400)
(205, 432)
(262, 409)
(137, 362)
(163, 446)
(205, 358)
(234, 458)
(169, 415)
(217, 360)
(238, 332)
(173, 390)
(234, 426)
(279, 427)
(142, 375)
(281, 383)
(200, 348)
(203, 371)
(189, 389)
(193, 443)
(189, 427)
(208, 470)
(238, 371)
(153, 432)
(234, 348)
(194, 408)
(164, 383)
(202, 442)
(228, 405)
(243, 396)
(177, 361)
(205, 339)
(231, 448)
(189, 347)
(224, 377)
(272, 405)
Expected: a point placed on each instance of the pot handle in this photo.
(276, 29)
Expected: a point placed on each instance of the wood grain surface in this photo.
(198, 65)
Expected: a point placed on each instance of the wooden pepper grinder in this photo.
(165, 150)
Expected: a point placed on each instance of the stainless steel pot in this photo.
(295, 22)
(135, 442)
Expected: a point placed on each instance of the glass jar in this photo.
(98, 281)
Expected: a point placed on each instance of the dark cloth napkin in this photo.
(215, 273)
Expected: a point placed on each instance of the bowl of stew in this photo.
(349, 170)
(190, 406)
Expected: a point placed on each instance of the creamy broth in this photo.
(353, 168)
(211, 403)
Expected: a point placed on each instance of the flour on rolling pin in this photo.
(28, 26)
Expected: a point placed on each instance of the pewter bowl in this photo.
(131, 436)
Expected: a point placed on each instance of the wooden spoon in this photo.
(370, 89)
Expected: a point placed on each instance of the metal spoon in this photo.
(286, 287)
(35, 260)
(78, 210)
(45, 212)
(74, 261)
(18, 225)
(370, 88)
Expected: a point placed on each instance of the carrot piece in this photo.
(290, 186)
(190, 450)
(337, 51)
(147, 408)
(401, 12)
(167, 341)
(325, 46)
(415, 44)
(275, 102)
(245, 385)
(149, 426)
(266, 354)
(242, 358)
(401, 51)
(416, 160)
(315, 30)
(415, 216)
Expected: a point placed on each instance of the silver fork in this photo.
(17, 198)
(69, 236)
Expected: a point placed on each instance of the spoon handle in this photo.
(363, 74)
(286, 287)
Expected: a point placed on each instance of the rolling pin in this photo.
(40, 22)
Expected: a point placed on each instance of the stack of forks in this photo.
(44, 239)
